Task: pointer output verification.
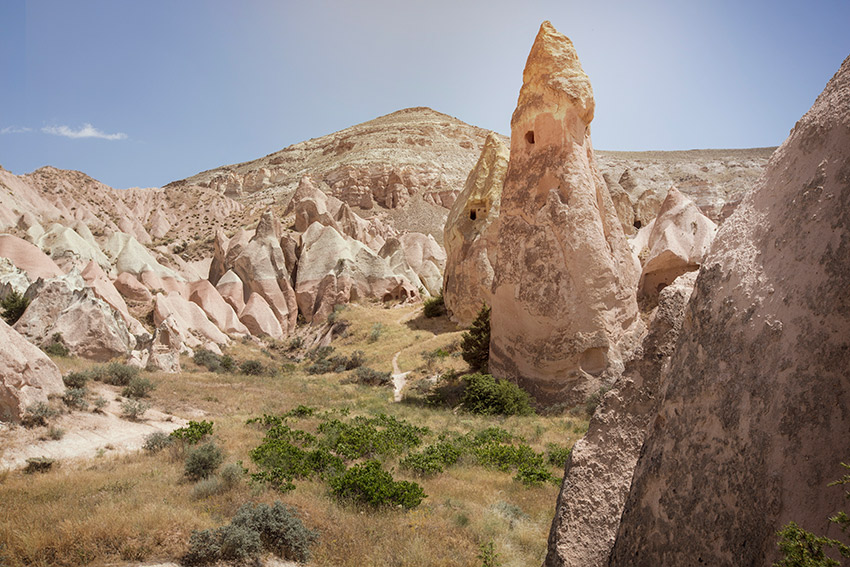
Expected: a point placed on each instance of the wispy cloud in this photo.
(15, 130)
(87, 131)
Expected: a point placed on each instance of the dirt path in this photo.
(399, 378)
(86, 434)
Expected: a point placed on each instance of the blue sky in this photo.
(143, 93)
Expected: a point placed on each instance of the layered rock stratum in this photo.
(564, 309)
(753, 422)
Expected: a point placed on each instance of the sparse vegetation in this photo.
(252, 368)
(370, 377)
(138, 388)
(434, 307)
(13, 306)
(39, 465)
(157, 441)
(202, 461)
(38, 414)
(56, 346)
(134, 410)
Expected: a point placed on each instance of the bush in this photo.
(99, 403)
(194, 432)
(280, 529)
(276, 529)
(370, 377)
(56, 347)
(252, 368)
(208, 359)
(434, 307)
(368, 483)
(157, 441)
(487, 395)
(76, 398)
(39, 465)
(134, 409)
(13, 306)
(475, 343)
(375, 332)
(557, 455)
(138, 388)
(117, 373)
(227, 363)
(203, 461)
(38, 414)
(76, 379)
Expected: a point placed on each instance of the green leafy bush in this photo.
(433, 459)
(434, 307)
(194, 432)
(56, 346)
(203, 461)
(138, 388)
(324, 363)
(475, 343)
(13, 306)
(208, 359)
(368, 483)
(370, 436)
(557, 455)
(487, 395)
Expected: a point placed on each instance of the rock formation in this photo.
(599, 472)
(334, 269)
(189, 321)
(564, 307)
(28, 257)
(754, 420)
(678, 242)
(470, 234)
(27, 375)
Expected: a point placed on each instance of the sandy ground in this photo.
(86, 434)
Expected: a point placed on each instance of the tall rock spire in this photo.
(564, 308)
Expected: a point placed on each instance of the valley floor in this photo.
(110, 503)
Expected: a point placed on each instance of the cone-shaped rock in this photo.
(564, 304)
(754, 421)
(470, 234)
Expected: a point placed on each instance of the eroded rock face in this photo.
(28, 257)
(599, 472)
(334, 269)
(188, 320)
(310, 204)
(564, 306)
(754, 421)
(471, 234)
(678, 242)
(27, 375)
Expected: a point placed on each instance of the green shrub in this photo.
(138, 388)
(13, 306)
(368, 483)
(434, 306)
(319, 352)
(194, 432)
(204, 548)
(535, 475)
(55, 433)
(38, 414)
(557, 455)
(227, 363)
(252, 368)
(157, 441)
(475, 343)
(295, 343)
(134, 409)
(370, 377)
(488, 396)
(488, 556)
(433, 459)
(99, 403)
(76, 379)
(76, 398)
(203, 461)
(369, 436)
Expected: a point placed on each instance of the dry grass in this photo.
(139, 507)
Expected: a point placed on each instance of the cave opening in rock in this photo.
(637, 224)
(529, 136)
(472, 214)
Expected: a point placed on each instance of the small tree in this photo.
(475, 343)
(14, 305)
